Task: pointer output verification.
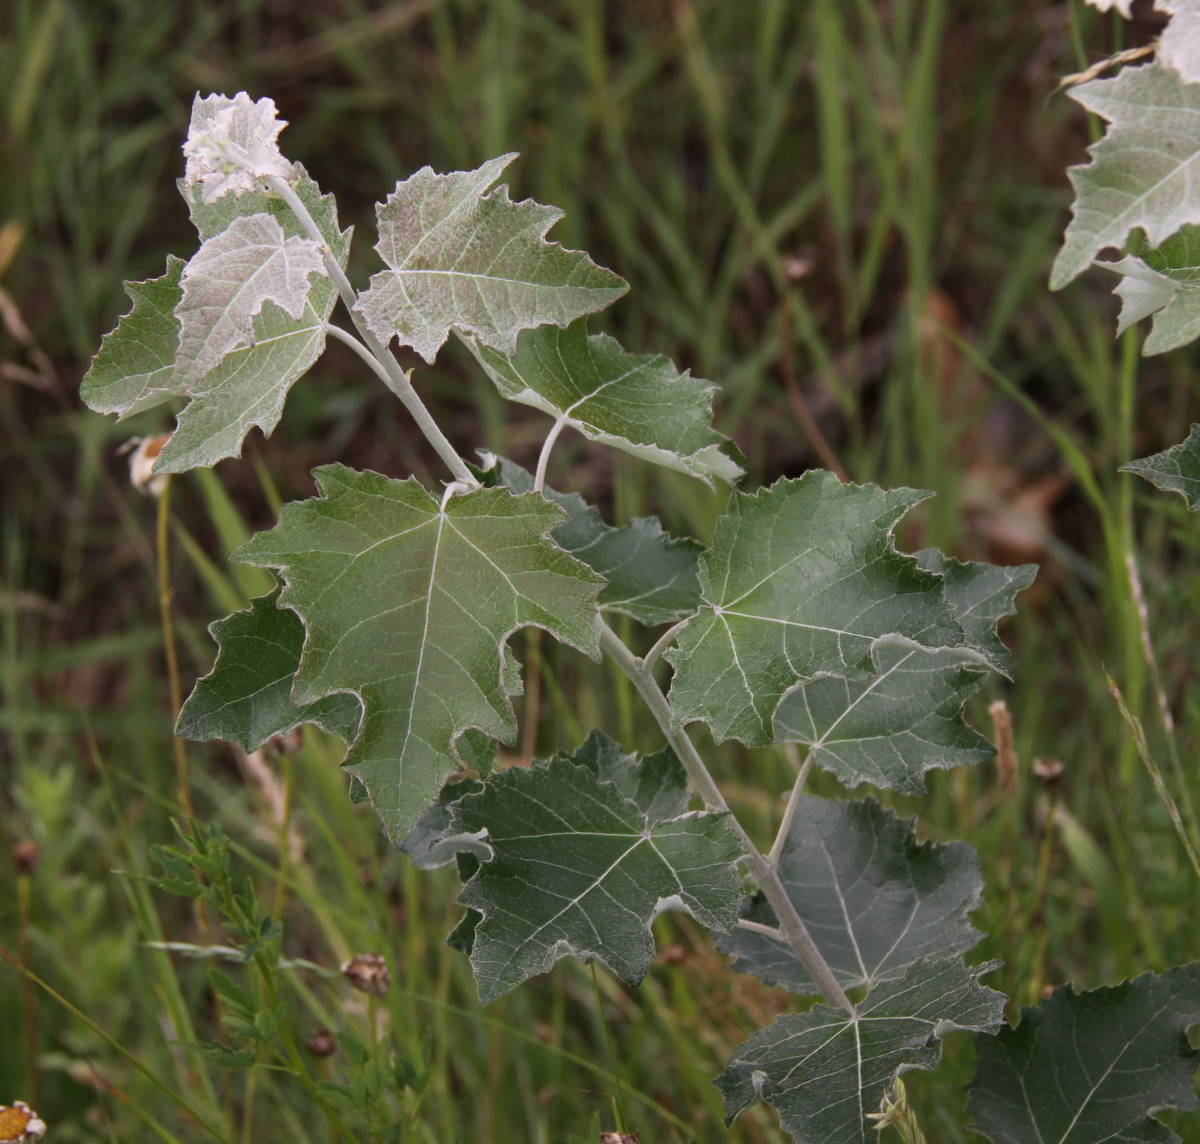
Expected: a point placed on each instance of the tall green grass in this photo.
(840, 208)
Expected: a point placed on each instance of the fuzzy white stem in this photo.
(539, 478)
(664, 642)
(790, 810)
(758, 927)
(791, 925)
(393, 376)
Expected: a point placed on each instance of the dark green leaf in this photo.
(429, 846)
(801, 579)
(408, 605)
(1086, 1068)
(641, 403)
(1175, 470)
(246, 698)
(657, 784)
(825, 1072)
(892, 728)
(579, 869)
(874, 898)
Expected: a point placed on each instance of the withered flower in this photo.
(368, 973)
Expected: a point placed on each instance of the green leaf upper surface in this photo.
(874, 898)
(430, 847)
(461, 257)
(246, 698)
(579, 869)
(1175, 470)
(651, 576)
(891, 729)
(1145, 171)
(657, 785)
(801, 579)
(251, 383)
(409, 605)
(1083, 1068)
(825, 1072)
(981, 596)
(132, 371)
(640, 403)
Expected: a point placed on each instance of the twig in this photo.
(539, 478)
(789, 812)
(664, 641)
(168, 630)
(790, 922)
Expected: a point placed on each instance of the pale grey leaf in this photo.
(801, 579)
(465, 258)
(891, 729)
(1179, 44)
(640, 404)
(228, 281)
(1145, 171)
(580, 870)
(408, 604)
(232, 144)
(1092, 1068)
(825, 1072)
(874, 899)
(430, 846)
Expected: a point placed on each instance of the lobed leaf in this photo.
(1083, 1068)
(657, 785)
(408, 605)
(875, 900)
(801, 579)
(650, 575)
(640, 404)
(133, 369)
(981, 596)
(430, 846)
(1175, 470)
(581, 870)
(227, 283)
(461, 257)
(1165, 283)
(825, 1071)
(1144, 171)
(247, 697)
(250, 385)
(891, 729)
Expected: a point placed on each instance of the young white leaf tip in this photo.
(232, 143)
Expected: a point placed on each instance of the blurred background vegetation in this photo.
(842, 212)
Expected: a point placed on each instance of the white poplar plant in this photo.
(801, 623)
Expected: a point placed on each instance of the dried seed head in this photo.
(1007, 763)
(322, 1044)
(20, 1124)
(27, 855)
(288, 744)
(143, 452)
(368, 973)
(1048, 772)
(673, 954)
(618, 1138)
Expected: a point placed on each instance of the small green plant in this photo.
(801, 623)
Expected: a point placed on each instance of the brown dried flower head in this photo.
(368, 973)
(27, 855)
(618, 1138)
(322, 1044)
(143, 452)
(1048, 772)
(20, 1124)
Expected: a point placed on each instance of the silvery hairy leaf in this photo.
(1144, 171)
(430, 847)
(892, 728)
(580, 870)
(650, 575)
(408, 605)
(824, 1071)
(462, 257)
(1165, 283)
(874, 899)
(232, 145)
(247, 697)
(639, 403)
(801, 579)
(1088, 1068)
(1175, 470)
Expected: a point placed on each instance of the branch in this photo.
(793, 802)
(539, 479)
(794, 931)
(664, 642)
(393, 376)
